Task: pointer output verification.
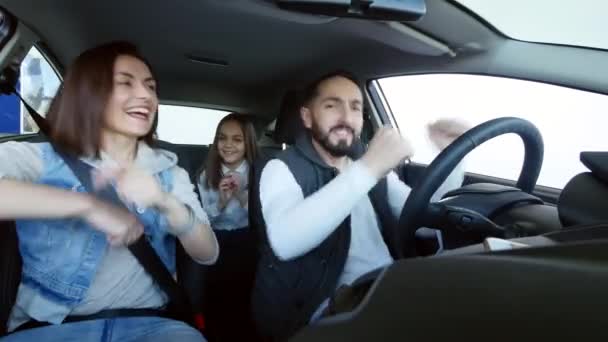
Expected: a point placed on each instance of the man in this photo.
(329, 212)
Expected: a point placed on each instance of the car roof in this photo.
(244, 54)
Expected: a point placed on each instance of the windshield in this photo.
(579, 23)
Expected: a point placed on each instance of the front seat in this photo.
(584, 200)
(288, 126)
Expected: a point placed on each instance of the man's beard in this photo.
(341, 149)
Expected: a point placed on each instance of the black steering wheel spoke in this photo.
(446, 218)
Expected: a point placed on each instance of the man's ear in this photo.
(306, 116)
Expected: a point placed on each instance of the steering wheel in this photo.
(417, 211)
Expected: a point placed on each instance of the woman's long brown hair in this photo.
(213, 166)
(75, 116)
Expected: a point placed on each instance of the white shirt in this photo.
(296, 225)
(233, 215)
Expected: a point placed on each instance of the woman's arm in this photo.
(21, 200)
(185, 217)
(194, 233)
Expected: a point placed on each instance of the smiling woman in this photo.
(109, 98)
(77, 266)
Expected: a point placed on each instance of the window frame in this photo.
(379, 100)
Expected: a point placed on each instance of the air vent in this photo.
(207, 60)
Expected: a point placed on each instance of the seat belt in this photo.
(179, 306)
(141, 249)
(38, 119)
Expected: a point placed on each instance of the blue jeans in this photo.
(129, 329)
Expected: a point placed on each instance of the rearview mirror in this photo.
(390, 10)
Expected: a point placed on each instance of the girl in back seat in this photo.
(224, 189)
(224, 183)
(79, 281)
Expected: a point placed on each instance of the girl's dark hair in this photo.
(213, 166)
(75, 116)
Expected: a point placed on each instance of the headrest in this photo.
(289, 124)
(584, 200)
(597, 162)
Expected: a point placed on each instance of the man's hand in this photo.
(386, 150)
(443, 132)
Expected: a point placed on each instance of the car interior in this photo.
(253, 56)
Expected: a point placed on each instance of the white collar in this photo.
(242, 169)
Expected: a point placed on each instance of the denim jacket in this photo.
(61, 256)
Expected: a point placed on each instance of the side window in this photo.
(188, 125)
(569, 120)
(38, 84)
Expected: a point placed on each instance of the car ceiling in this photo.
(269, 50)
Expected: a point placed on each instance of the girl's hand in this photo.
(226, 190)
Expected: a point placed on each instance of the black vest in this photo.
(286, 293)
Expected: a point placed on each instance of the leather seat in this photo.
(584, 199)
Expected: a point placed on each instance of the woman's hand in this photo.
(120, 226)
(133, 185)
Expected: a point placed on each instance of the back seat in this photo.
(191, 275)
(211, 287)
(190, 157)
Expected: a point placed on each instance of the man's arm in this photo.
(442, 133)
(296, 225)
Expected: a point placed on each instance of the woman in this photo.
(224, 192)
(73, 245)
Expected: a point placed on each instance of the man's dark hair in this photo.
(312, 90)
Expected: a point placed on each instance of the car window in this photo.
(188, 125)
(38, 83)
(542, 21)
(569, 120)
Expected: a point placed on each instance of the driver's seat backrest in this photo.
(584, 200)
(288, 126)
